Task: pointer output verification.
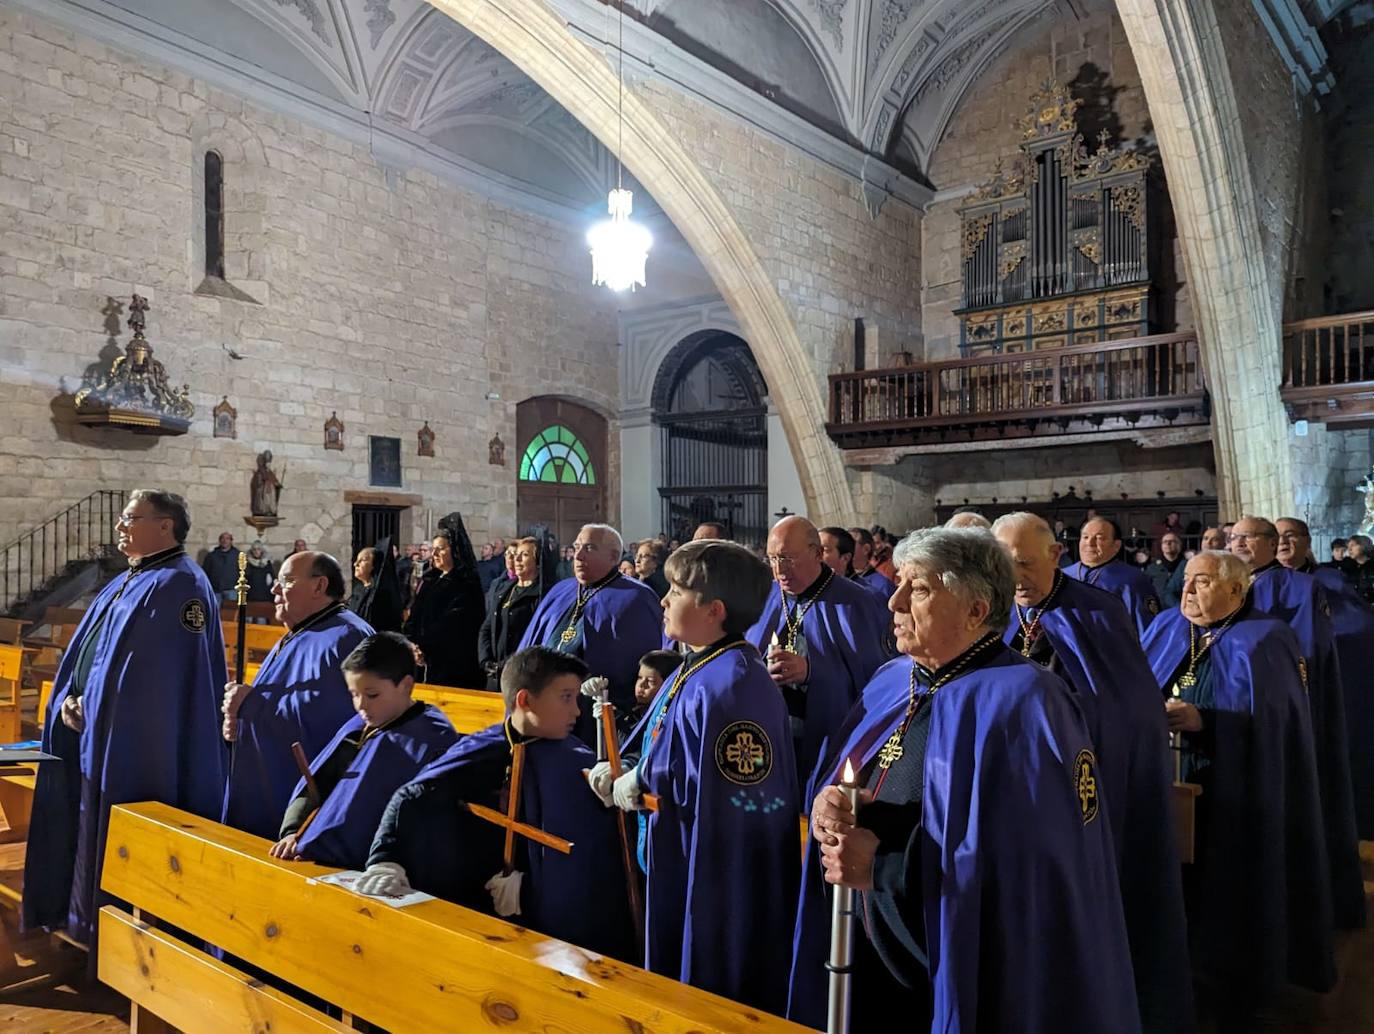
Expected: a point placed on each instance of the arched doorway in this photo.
(710, 402)
(561, 469)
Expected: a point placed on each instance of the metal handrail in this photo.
(85, 530)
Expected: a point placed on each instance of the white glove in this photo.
(383, 880)
(505, 893)
(626, 793)
(601, 781)
(596, 688)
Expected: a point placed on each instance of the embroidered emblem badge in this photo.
(193, 616)
(743, 754)
(1085, 784)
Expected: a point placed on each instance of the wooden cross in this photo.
(627, 859)
(508, 820)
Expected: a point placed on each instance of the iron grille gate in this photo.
(371, 524)
(715, 468)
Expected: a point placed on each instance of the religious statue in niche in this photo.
(333, 432)
(265, 487)
(1367, 487)
(496, 451)
(226, 419)
(426, 441)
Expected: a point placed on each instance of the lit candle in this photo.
(842, 929)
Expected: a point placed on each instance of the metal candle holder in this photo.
(842, 931)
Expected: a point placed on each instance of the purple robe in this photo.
(1299, 600)
(878, 583)
(1023, 917)
(721, 850)
(342, 831)
(299, 695)
(620, 624)
(1265, 899)
(152, 733)
(1095, 651)
(847, 633)
(1121, 579)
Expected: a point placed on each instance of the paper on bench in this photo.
(348, 880)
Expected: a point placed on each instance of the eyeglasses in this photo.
(129, 518)
(1237, 536)
(780, 561)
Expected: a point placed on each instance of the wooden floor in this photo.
(48, 992)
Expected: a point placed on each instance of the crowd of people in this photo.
(986, 731)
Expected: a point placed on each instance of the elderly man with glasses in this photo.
(981, 850)
(134, 715)
(822, 637)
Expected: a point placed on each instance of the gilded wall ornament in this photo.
(333, 432)
(134, 392)
(426, 437)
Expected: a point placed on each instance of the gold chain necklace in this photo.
(792, 619)
(683, 674)
(1188, 680)
(1031, 632)
(892, 750)
(570, 633)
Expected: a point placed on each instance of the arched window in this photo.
(555, 455)
(214, 214)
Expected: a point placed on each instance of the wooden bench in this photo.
(430, 967)
(468, 709)
(12, 630)
(258, 640)
(11, 673)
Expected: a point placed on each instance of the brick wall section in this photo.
(1094, 55)
(388, 297)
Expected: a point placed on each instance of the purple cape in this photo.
(299, 694)
(342, 831)
(578, 897)
(848, 638)
(1121, 579)
(878, 583)
(1352, 620)
(1299, 600)
(722, 847)
(1265, 897)
(1093, 640)
(1023, 917)
(619, 625)
(152, 733)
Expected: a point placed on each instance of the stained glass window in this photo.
(556, 456)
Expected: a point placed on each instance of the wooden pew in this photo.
(468, 709)
(430, 967)
(258, 640)
(12, 630)
(11, 672)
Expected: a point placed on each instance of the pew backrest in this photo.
(468, 709)
(433, 966)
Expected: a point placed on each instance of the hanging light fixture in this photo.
(619, 246)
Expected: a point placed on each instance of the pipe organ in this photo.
(1056, 249)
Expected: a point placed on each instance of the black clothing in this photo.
(1162, 572)
(356, 597)
(657, 582)
(444, 622)
(1361, 576)
(380, 604)
(491, 569)
(260, 578)
(509, 613)
(222, 568)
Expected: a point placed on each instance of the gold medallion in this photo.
(569, 634)
(1187, 680)
(892, 750)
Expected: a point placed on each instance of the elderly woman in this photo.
(448, 611)
(980, 850)
(1258, 895)
(509, 611)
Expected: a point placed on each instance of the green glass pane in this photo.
(589, 477)
(525, 467)
(563, 434)
(569, 474)
(581, 452)
(549, 473)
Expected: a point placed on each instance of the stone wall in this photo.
(1093, 57)
(381, 294)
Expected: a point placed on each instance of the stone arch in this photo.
(1188, 81)
(529, 34)
(686, 353)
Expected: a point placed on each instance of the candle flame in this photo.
(848, 778)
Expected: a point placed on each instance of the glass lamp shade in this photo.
(619, 246)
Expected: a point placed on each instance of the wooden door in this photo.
(561, 466)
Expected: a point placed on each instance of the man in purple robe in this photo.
(864, 571)
(298, 696)
(1100, 564)
(1299, 600)
(981, 850)
(601, 616)
(1084, 635)
(1258, 893)
(822, 637)
(134, 715)
(1352, 622)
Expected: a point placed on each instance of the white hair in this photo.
(968, 519)
(606, 531)
(1022, 520)
(969, 562)
(1230, 568)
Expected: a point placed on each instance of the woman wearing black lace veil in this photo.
(448, 610)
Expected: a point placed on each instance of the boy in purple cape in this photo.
(1099, 546)
(981, 848)
(1084, 635)
(428, 841)
(1258, 895)
(376, 752)
(1300, 601)
(720, 848)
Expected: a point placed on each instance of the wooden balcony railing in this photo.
(1328, 369)
(1134, 383)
